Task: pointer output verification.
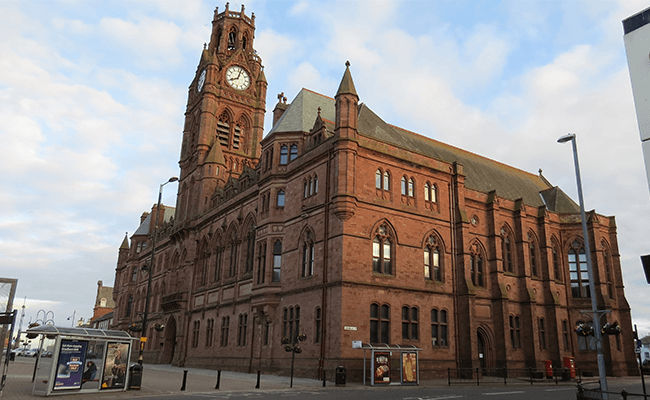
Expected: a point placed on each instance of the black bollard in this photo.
(184, 380)
(258, 379)
(218, 379)
(324, 378)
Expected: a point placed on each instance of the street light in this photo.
(143, 333)
(590, 273)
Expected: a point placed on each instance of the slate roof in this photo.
(303, 110)
(482, 174)
(143, 229)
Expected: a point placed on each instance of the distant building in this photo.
(104, 302)
(103, 322)
(341, 226)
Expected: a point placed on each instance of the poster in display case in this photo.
(409, 367)
(115, 365)
(69, 368)
(382, 367)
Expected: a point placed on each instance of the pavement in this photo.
(167, 380)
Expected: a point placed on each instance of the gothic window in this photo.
(134, 275)
(542, 333)
(403, 186)
(232, 38)
(432, 268)
(308, 256)
(223, 129)
(508, 262)
(234, 249)
(533, 256)
(439, 328)
(310, 187)
(318, 318)
(250, 249)
(411, 187)
(430, 192)
(204, 267)
(305, 185)
(129, 306)
(238, 135)
(195, 333)
(241, 331)
(244, 42)
(379, 323)
(386, 180)
(410, 327)
(378, 179)
(476, 265)
(381, 252)
(261, 262)
(277, 261)
(209, 332)
(293, 153)
(225, 326)
(608, 271)
(315, 184)
(556, 264)
(290, 321)
(515, 332)
(280, 199)
(284, 154)
(217, 263)
(578, 271)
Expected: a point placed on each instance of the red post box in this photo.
(548, 366)
(569, 364)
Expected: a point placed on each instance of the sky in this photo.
(93, 94)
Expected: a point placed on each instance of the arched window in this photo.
(223, 129)
(578, 271)
(305, 189)
(427, 192)
(234, 249)
(556, 264)
(508, 263)
(284, 154)
(403, 187)
(129, 306)
(386, 180)
(232, 39)
(432, 267)
(277, 261)
(311, 186)
(280, 200)
(378, 179)
(439, 328)
(532, 254)
(379, 323)
(411, 187)
(250, 249)
(381, 252)
(477, 270)
(410, 326)
(238, 136)
(315, 184)
(294, 152)
(308, 255)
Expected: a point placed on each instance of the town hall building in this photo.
(341, 226)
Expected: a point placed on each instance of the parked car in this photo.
(645, 367)
(30, 353)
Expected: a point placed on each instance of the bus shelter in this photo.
(80, 360)
(387, 360)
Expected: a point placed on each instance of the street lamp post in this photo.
(602, 373)
(143, 333)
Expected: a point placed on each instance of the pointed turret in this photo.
(123, 252)
(347, 106)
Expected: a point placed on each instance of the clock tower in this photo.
(224, 118)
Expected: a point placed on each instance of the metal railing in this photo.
(478, 376)
(595, 393)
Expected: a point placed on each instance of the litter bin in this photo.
(340, 376)
(135, 377)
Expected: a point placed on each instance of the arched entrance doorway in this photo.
(484, 350)
(170, 341)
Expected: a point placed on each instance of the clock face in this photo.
(237, 77)
(201, 82)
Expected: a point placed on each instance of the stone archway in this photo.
(484, 348)
(169, 347)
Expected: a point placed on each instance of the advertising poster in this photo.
(409, 367)
(115, 366)
(382, 367)
(70, 365)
